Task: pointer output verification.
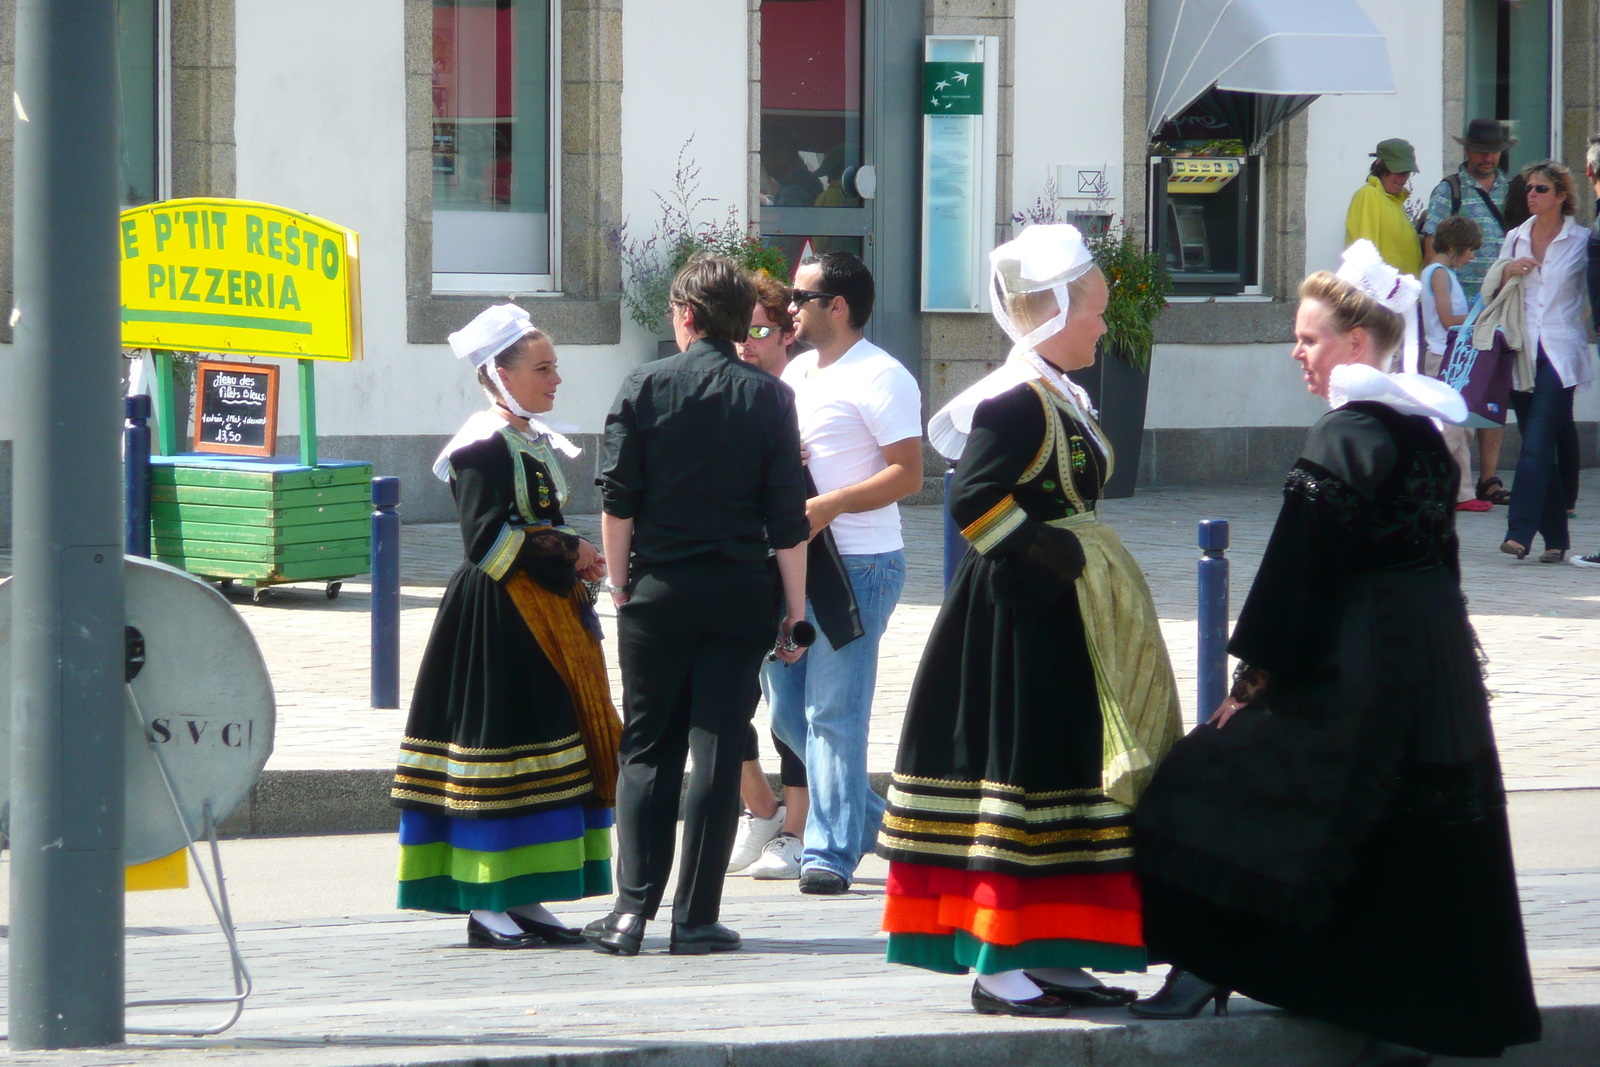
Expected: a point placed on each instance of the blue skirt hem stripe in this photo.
(501, 835)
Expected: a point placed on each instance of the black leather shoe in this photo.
(1040, 1007)
(1181, 997)
(549, 933)
(618, 933)
(480, 936)
(1384, 1054)
(1100, 996)
(821, 882)
(699, 940)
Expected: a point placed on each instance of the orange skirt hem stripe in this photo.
(1115, 890)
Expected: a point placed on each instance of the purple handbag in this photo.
(1482, 377)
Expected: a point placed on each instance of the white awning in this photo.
(1303, 48)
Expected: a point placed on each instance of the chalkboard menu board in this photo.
(236, 408)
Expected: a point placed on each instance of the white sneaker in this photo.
(779, 860)
(754, 833)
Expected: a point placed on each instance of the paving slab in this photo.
(811, 987)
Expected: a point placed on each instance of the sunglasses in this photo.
(1540, 188)
(802, 296)
(760, 333)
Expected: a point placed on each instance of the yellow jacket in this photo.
(1382, 219)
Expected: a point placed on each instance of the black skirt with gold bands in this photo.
(991, 826)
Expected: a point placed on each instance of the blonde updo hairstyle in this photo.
(513, 355)
(1032, 310)
(1349, 309)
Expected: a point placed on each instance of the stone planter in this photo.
(1119, 392)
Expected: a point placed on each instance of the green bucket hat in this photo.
(1398, 155)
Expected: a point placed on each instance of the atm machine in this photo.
(1201, 209)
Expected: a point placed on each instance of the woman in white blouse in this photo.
(1549, 252)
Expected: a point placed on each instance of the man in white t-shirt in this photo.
(861, 420)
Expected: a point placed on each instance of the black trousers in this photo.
(691, 639)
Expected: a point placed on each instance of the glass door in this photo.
(812, 128)
(1508, 62)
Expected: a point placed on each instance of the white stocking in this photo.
(1071, 977)
(499, 922)
(538, 913)
(1009, 985)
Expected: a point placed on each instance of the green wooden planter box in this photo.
(262, 521)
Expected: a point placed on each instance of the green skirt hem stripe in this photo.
(442, 860)
(449, 897)
(960, 952)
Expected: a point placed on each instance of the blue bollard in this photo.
(136, 476)
(1213, 624)
(385, 593)
(955, 546)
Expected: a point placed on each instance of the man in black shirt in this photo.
(700, 476)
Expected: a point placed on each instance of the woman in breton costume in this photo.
(1342, 817)
(507, 773)
(1045, 697)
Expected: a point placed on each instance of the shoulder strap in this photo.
(1488, 202)
(1454, 182)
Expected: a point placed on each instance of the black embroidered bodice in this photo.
(1405, 518)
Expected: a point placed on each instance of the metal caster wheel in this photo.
(333, 590)
(258, 594)
(225, 584)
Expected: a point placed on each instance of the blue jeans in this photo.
(1538, 497)
(822, 707)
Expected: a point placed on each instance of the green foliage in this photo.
(1138, 293)
(650, 263)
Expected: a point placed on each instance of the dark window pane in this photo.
(810, 101)
(137, 85)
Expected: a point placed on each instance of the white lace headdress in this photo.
(1039, 259)
(494, 330)
(1365, 269)
(1407, 391)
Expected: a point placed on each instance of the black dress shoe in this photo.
(1385, 1054)
(1181, 997)
(821, 882)
(549, 933)
(699, 940)
(1044, 1006)
(1100, 996)
(618, 933)
(480, 936)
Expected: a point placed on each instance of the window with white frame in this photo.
(493, 140)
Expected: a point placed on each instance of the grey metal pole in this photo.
(68, 709)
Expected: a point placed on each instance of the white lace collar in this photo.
(485, 424)
(1409, 394)
(948, 429)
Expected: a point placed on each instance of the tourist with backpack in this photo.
(1477, 191)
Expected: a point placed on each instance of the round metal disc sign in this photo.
(202, 699)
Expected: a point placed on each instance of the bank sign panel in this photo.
(235, 276)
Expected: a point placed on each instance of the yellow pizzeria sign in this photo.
(240, 277)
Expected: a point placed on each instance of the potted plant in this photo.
(651, 262)
(1119, 381)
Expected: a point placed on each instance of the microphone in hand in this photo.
(801, 635)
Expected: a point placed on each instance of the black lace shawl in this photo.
(1369, 682)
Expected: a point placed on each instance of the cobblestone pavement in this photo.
(1540, 626)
